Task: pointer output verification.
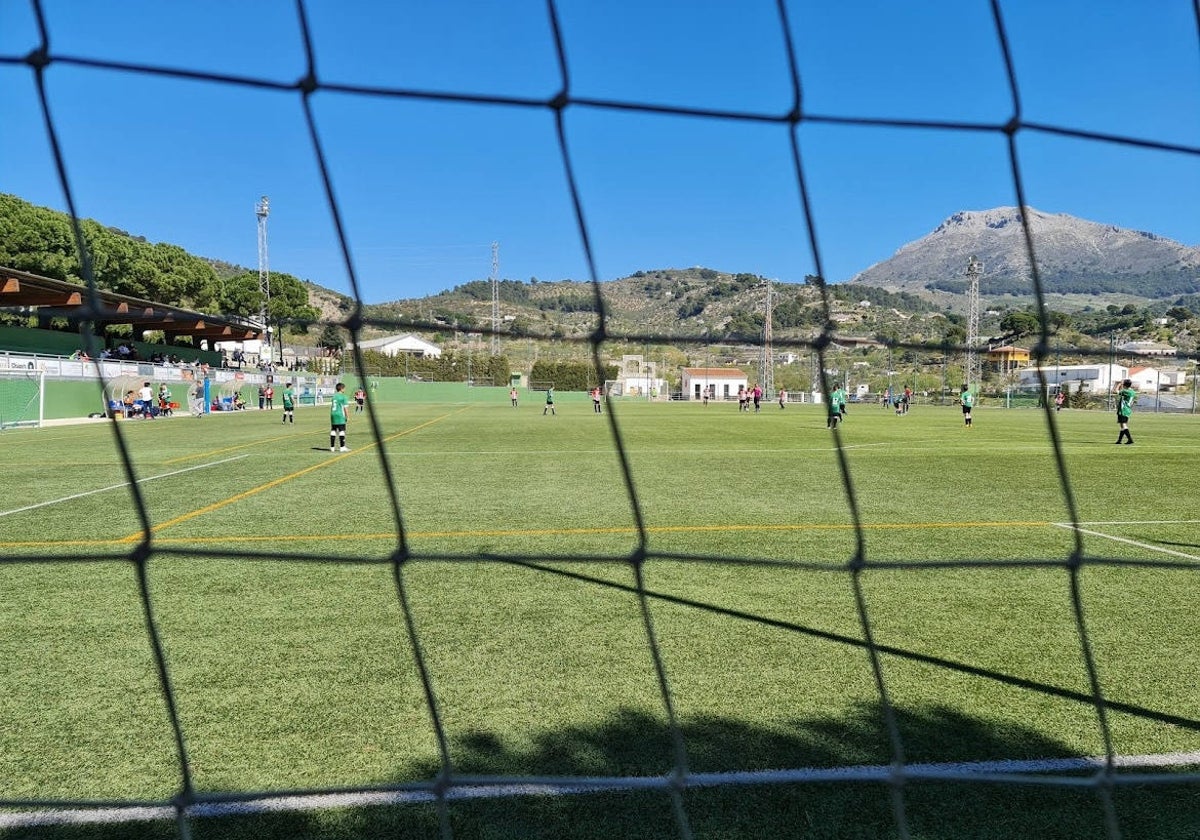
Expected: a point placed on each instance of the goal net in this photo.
(22, 398)
(678, 611)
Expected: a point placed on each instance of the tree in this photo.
(331, 339)
(1019, 323)
(1179, 313)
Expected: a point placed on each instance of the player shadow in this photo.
(636, 743)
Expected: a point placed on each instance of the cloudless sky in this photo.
(424, 187)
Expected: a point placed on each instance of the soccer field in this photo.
(555, 617)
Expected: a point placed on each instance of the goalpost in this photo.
(22, 398)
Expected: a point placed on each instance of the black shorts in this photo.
(337, 427)
(1122, 418)
(967, 409)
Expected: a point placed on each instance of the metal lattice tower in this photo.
(766, 365)
(972, 371)
(262, 210)
(495, 298)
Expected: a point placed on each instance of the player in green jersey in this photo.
(289, 403)
(1126, 397)
(837, 408)
(967, 400)
(337, 418)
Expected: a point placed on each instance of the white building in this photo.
(724, 382)
(1152, 380)
(1147, 348)
(1097, 378)
(395, 345)
(637, 378)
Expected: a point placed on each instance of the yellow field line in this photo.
(530, 532)
(237, 497)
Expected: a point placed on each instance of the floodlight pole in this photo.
(261, 211)
(973, 374)
(495, 298)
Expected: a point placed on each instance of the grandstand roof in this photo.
(69, 300)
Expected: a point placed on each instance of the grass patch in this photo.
(269, 576)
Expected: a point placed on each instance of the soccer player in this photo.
(337, 418)
(512, 396)
(1126, 397)
(289, 404)
(360, 399)
(837, 406)
(549, 402)
(967, 400)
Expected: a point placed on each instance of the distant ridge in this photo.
(1075, 256)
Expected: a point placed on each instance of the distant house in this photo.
(396, 345)
(1147, 348)
(1006, 359)
(724, 382)
(1145, 378)
(637, 378)
(1153, 380)
(1098, 379)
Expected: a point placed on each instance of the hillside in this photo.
(1076, 259)
(1108, 278)
(668, 302)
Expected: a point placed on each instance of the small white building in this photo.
(395, 345)
(723, 382)
(637, 378)
(1151, 380)
(1097, 378)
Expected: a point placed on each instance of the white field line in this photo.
(1137, 543)
(116, 486)
(1137, 522)
(948, 771)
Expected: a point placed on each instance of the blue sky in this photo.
(425, 187)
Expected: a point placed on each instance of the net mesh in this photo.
(20, 398)
(1100, 776)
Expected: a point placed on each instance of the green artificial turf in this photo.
(275, 569)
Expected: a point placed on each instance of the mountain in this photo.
(1075, 257)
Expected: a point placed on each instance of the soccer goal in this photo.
(22, 398)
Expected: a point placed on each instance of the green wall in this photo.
(46, 342)
(399, 390)
(70, 398)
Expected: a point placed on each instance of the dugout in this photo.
(223, 394)
(115, 390)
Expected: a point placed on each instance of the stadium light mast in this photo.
(262, 210)
(766, 366)
(972, 372)
(495, 298)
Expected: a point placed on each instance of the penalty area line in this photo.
(1127, 541)
(500, 788)
(86, 493)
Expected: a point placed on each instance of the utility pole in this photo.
(261, 211)
(495, 298)
(973, 373)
